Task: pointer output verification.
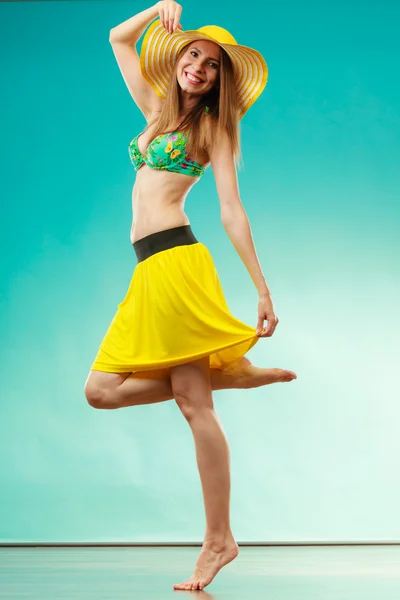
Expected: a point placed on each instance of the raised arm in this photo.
(123, 39)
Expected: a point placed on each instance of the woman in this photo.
(173, 336)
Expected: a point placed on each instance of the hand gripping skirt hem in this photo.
(174, 311)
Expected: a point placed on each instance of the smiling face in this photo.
(198, 69)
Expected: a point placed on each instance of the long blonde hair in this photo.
(205, 127)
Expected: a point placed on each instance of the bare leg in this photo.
(118, 390)
(191, 386)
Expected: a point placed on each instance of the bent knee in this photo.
(94, 395)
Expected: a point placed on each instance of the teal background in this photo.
(313, 460)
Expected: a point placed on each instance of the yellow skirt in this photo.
(174, 312)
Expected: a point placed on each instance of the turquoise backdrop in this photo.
(313, 460)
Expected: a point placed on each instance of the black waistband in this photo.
(163, 240)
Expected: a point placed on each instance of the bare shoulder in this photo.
(140, 89)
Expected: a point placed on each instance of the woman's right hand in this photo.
(170, 14)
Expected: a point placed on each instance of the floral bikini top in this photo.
(166, 152)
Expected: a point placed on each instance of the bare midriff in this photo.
(158, 201)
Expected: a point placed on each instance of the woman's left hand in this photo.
(266, 313)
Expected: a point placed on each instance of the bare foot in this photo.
(211, 560)
(244, 374)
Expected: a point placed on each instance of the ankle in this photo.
(216, 540)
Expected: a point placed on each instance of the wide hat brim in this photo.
(160, 49)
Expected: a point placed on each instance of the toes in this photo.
(288, 376)
(181, 586)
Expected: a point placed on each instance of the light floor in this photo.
(273, 573)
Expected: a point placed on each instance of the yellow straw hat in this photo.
(160, 49)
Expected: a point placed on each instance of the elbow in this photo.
(233, 215)
(113, 36)
(225, 220)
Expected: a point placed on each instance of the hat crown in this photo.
(219, 34)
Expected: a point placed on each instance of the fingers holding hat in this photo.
(170, 14)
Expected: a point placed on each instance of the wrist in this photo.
(264, 292)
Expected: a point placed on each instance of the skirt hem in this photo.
(168, 363)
